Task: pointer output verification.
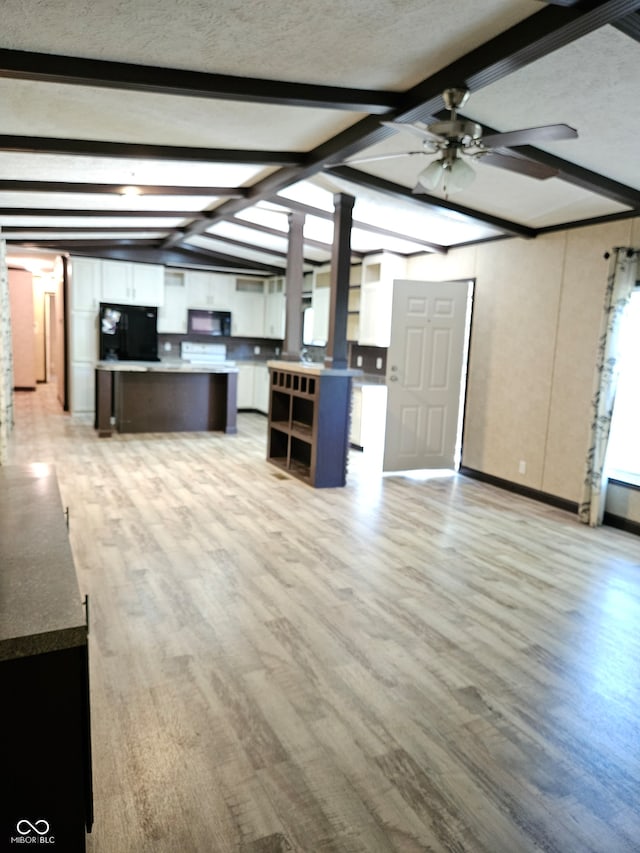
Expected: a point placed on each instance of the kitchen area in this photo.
(215, 334)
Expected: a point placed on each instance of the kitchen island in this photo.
(309, 408)
(44, 673)
(165, 396)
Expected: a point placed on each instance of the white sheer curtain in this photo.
(623, 271)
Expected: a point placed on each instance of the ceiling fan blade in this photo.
(411, 128)
(519, 164)
(530, 136)
(373, 159)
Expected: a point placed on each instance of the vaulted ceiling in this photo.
(227, 116)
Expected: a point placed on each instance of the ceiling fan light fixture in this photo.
(431, 177)
(460, 175)
(450, 174)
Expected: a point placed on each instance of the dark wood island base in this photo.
(157, 399)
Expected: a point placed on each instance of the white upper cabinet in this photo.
(209, 290)
(376, 292)
(275, 308)
(132, 284)
(148, 284)
(172, 314)
(248, 309)
(199, 289)
(320, 302)
(86, 283)
(117, 282)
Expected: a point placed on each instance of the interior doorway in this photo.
(50, 333)
(426, 374)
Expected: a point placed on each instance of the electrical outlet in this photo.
(359, 361)
(378, 364)
(522, 467)
(167, 346)
(256, 350)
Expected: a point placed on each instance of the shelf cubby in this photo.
(309, 424)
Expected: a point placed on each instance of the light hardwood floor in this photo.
(399, 665)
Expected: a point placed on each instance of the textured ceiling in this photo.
(52, 127)
(392, 44)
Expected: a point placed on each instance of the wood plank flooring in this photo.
(400, 665)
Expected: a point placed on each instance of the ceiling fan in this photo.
(456, 139)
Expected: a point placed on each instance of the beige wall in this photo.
(536, 319)
(22, 328)
(6, 357)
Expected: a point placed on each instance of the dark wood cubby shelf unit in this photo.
(309, 425)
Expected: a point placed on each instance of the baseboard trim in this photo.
(525, 491)
(621, 523)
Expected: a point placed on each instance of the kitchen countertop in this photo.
(312, 368)
(40, 605)
(176, 365)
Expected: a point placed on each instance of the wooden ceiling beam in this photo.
(136, 151)
(630, 25)
(77, 71)
(79, 229)
(147, 251)
(57, 213)
(8, 185)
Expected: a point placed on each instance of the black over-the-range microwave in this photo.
(200, 321)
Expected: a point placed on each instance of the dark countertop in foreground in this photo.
(40, 605)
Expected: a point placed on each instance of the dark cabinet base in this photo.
(46, 751)
(156, 401)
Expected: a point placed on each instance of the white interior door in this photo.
(425, 363)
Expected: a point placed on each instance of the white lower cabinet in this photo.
(253, 386)
(245, 386)
(84, 299)
(82, 388)
(261, 388)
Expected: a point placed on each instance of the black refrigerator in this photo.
(128, 332)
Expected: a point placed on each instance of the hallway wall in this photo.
(6, 358)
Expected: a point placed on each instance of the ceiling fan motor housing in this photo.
(462, 132)
(454, 98)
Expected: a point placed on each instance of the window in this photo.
(623, 453)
